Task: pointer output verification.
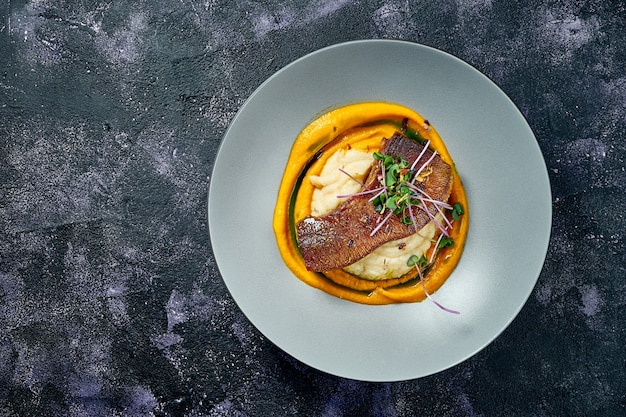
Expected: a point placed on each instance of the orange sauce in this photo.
(359, 126)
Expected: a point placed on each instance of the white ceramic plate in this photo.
(496, 155)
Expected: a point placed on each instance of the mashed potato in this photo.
(388, 260)
(332, 182)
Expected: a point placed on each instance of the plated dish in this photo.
(503, 172)
(371, 208)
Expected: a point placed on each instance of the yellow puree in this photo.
(360, 126)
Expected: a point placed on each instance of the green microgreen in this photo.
(397, 195)
(457, 211)
(445, 242)
(419, 261)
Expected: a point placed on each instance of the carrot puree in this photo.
(360, 126)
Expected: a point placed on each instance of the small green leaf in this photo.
(391, 202)
(457, 211)
(413, 260)
(446, 242)
(420, 261)
(391, 178)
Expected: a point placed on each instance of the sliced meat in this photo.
(344, 236)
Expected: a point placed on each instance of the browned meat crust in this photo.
(343, 236)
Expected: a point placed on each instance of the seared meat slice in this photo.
(344, 236)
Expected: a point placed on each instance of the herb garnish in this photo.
(395, 193)
(457, 210)
(445, 242)
(419, 261)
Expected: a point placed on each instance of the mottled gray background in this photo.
(111, 114)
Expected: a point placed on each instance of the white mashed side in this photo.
(387, 261)
(331, 182)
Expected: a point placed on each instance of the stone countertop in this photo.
(111, 114)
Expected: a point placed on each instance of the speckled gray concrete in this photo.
(110, 118)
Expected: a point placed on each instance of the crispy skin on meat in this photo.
(342, 237)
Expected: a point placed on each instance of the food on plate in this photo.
(370, 207)
(355, 228)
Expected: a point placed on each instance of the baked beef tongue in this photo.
(344, 236)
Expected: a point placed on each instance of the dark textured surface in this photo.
(111, 114)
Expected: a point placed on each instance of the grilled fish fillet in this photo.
(344, 236)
